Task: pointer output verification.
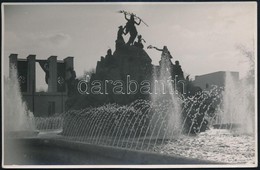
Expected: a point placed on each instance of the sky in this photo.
(203, 37)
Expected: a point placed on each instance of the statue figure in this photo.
(165, 62)
(109, 59)
(139, 42)
(165, 52)
(178, 70)
(120, 33)
(109, 52)
(130, 28)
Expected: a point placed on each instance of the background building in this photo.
(56, 76)
(217, 78)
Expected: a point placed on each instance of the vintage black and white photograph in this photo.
(129, 84)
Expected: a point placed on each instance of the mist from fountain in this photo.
(17, 117)
(238, 101)
(238, 104)
(167, 91)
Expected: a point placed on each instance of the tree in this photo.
(249, 54)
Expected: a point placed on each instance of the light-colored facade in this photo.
(206, 81)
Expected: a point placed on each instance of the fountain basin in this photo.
(65, 152)
(21, 134)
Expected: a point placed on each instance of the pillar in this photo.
(69, 63)
(31, 83)
(52, 81)
(12, 62)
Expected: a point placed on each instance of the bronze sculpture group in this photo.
(130, 28)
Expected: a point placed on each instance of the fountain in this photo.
(160, 125)
(238, 105)
(170, 123)
(18, 120)
(167, 91)
(169, 120)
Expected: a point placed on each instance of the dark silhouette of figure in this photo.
(178, 70)
(120, 33)
(165, 62)
(165, 52)
(109, 58)
(109, 52)
(130, 28)
(165, 56)
(139, 42)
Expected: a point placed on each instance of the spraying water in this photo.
(16, 115)
(239, 97)
(168, 91)
(238, 104)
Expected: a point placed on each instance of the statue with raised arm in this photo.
(165, 52)
(130, 27)
(165, 62)
(120, 40)
(120, 34)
